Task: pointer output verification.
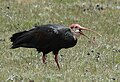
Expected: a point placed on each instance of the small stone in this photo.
(113, 78)
(84, 10)
(98, 56)
(98, 53)
(8, 7)
(92, 51)
(86, 70)
(88, 53)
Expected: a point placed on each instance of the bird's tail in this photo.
(15, 37)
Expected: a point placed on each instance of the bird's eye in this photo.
(75, 26)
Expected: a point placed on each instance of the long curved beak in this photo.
(83, 34)
(83, 28)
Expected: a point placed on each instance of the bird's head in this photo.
(76, 29)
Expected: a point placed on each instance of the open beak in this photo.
(83, 28)
(83, 34)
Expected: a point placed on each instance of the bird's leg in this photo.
(56, 60)
(44, 58)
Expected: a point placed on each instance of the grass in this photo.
(83, 63)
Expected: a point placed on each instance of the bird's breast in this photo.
(69, 40)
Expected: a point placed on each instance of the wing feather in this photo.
(37, 37)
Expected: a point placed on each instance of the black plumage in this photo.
(45, 38)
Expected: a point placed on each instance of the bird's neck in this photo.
(75, 35)
(75, 38)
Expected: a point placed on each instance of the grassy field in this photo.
(86, 62)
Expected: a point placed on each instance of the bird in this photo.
(49, 38)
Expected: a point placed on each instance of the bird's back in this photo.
(44, 38)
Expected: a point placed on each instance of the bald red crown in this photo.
(75, 26)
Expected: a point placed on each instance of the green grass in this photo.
(85, 62)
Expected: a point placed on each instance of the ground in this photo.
(86, 62)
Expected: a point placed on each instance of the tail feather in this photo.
(13, 47)
(16, 35)
(15, 38)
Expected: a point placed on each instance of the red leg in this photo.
(44, 58)
(56, 60)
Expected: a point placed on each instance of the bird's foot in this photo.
(56, 60)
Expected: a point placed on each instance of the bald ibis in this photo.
(47, 38)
